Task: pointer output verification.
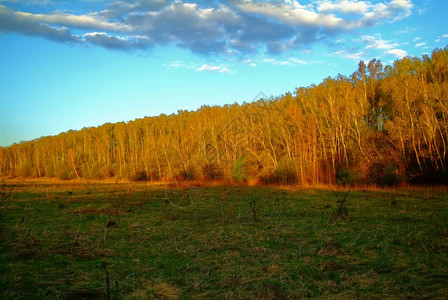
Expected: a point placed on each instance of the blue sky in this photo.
(73, 64)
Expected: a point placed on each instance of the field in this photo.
(128, 241)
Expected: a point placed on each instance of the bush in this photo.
(268, 178)
(390, 176)
(25, 169)
(140, 175)
(385, 174)
(345, 176)
(94, 172)
(212, 171)
(107, 171)
(49, 170)
(285, 171)
(61, 171)
(128, 172)
(188, 174)
(239, 170)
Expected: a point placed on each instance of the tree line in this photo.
(382, 125)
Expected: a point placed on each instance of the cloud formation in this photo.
(231, 27)
(378, 43)
(398, 53)
(420, 44)
(199, 67)
(213, 69)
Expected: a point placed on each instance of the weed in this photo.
(253, 199)
(341, 213)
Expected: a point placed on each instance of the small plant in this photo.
(252, 200)
(341, 213)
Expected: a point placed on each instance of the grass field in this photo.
(123, 241)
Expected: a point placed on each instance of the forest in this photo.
(382, 125)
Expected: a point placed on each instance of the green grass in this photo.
(156, 242)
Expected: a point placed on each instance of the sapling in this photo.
(341, 212)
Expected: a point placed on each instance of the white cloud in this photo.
(378, 43)
(250, 62)
(399, 53)
(78, 21)
(276, 62)
(291, 61)
(179, 65)
(445, 36)
(200, 67)
(298, 61)
(394, 10)
(417, 39)
(290, 14)
(360, 55)
(345, 6)
(213, 69)
(420, 45)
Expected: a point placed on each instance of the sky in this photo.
(71, 64)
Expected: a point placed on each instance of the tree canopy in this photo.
(381, 125)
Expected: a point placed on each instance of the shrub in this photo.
(390, 176)
(268, 178)
(127, 172)
(239, 170)
(384, 174)
(107, 171)
(285, 171)
(61, 171)
(140, 175)
(188, 174)
(212, 171)
(94, 172)
(345, 176)
(25, 169)
(49, 170)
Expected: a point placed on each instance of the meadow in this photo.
(138, 241)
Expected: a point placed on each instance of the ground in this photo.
(129, 241)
